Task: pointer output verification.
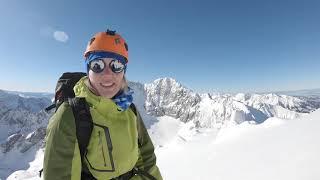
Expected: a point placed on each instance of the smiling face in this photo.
(106, 83)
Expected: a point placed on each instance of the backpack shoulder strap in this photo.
(83, 121)
(134, 109)
(84, 127)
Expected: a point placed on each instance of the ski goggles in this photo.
(98, 65)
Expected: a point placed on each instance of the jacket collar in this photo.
(103, 105)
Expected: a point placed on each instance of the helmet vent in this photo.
(112, 33)
(126, 46)
(91, 41)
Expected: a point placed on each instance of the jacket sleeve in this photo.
(147, 157)
(62, 156)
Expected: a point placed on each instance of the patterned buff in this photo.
(124, 99)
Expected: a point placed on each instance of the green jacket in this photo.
(118, 129)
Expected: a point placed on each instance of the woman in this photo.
(114, 150)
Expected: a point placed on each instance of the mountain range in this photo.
(23, 120)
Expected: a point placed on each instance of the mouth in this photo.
(107, 85)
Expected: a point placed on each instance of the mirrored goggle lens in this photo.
(116, 66)
(97, 65)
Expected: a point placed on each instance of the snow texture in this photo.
(276, 149)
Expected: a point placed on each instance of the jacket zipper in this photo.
(108, 146)
(100, 142)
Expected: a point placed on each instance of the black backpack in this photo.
(64, 93)
(83, 120)
(64, 88)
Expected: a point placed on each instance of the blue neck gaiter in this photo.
(124, 99)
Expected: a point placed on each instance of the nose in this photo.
(107, 70)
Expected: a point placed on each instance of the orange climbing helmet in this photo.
(108, 41)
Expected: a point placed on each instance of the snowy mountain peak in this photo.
(168, 97)
(167, 83)
(165, 79)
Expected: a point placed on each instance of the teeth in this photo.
(107, 84)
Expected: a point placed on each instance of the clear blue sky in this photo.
(223, 45)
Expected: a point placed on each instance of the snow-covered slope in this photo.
(170, 111)
(276, 149)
